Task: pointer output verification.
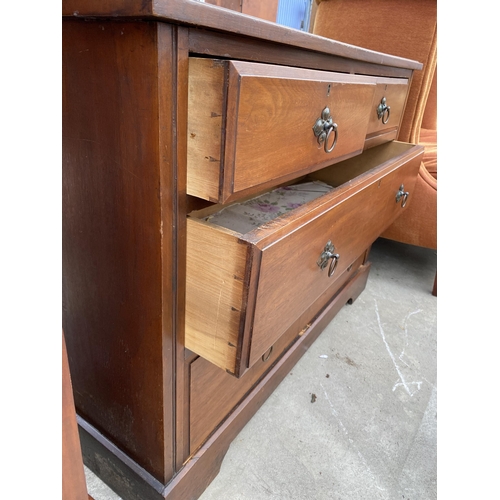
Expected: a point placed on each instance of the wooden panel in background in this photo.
(264, 9)
(226, 4)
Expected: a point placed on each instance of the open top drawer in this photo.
(244, 289)
(253, 126)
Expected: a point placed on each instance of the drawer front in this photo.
(387, 108)
(250, 126)
(244, 291)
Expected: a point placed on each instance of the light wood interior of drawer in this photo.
(365, 164)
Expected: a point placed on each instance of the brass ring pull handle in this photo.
(326, 255)
(267, 354)
(334, 128)
(405, 199)
(402, 195)
(333, 264)
(323, 128)
(383, 111)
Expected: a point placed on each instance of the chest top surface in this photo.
(197, 14)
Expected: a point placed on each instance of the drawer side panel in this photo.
(216, 266)
(205, 127)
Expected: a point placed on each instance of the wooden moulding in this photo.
(229, 46)
(134, 483)
(244, 290)
(250, 125)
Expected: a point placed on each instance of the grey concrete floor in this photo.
(356, 417)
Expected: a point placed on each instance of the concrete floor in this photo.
(356, 417)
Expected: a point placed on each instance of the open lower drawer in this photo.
(246, 286)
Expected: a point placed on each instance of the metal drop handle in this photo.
(267, 354)
(327, 254)
(402, 195)
(323, 128)
(383, 111)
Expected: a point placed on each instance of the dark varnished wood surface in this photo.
(174, 187)
(113, 259)
(115, 468)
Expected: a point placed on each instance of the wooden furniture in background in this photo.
(158, 304)
(264, 9)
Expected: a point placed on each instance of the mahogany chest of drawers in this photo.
(178, 327)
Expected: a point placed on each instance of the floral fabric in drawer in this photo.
(243, 217)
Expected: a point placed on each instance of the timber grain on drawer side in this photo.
(244, 290)
(217, 284)
(250, 125)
